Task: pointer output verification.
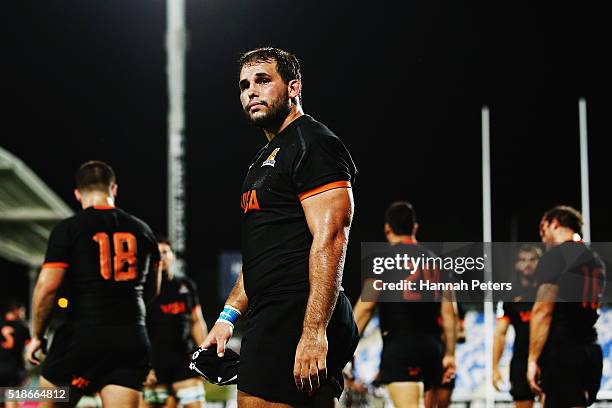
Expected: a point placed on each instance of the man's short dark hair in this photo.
(287, 64)
(401, 218)
(9, 305)
(95, 175)
(532, 249)
(166, 241)
(566, 216)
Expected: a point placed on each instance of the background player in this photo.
(563, 339)
(14, 336)
(297, 207)
(518, 314)
(411, 330)
(174, 322)
(107, 261)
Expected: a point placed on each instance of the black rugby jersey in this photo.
(411, 311)
(107, 253)
(169, 316)
(518, 314)
(304, 159)
(581, 276)
(14, 336)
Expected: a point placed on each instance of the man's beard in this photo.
(530, 279)
(278, 111)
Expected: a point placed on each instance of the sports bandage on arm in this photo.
(229, 315)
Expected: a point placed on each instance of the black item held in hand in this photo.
(217, 370)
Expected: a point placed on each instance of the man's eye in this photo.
(265, 81)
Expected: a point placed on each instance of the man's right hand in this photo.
(219, 335)
(151, 379)
(497, 379)
(32, 348)
(351, 383)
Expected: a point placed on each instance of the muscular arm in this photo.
(43, 299)
(363, 312)
(329, 217)
(448, 310)
(152, 285)
(237, 297)
(541, 317)
(499, 341)
(198, 325)
(364, 309)
(539, 326)
(222, 332)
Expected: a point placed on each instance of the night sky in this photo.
(401, 84)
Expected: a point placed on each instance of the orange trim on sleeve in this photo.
(56, 265)
(323, 188)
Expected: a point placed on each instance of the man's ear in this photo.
(388, 229)
(77, 195)
(554, 224)
(114, 189)
(415, 229)
(295, 88)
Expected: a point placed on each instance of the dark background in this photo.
(401, 84)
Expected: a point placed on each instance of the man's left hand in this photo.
(450, 368)
(533, 377)
(310, 360)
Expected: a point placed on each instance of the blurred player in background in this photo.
(175, 325)
(517, 314)
(14, 336)
(412, 329)
(565, 361)
(107, 261)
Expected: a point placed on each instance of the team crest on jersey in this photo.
(183, 289)
(271, 160)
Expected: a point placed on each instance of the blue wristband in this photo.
(229, 315)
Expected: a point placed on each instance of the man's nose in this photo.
(253, 91)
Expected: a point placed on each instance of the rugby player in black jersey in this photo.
(412, 324)
(565, 361)
(517, 314)
(297, 209)
(107, 262)
(14, 336)
(175, 324)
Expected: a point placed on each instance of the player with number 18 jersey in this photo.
(106, 253)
